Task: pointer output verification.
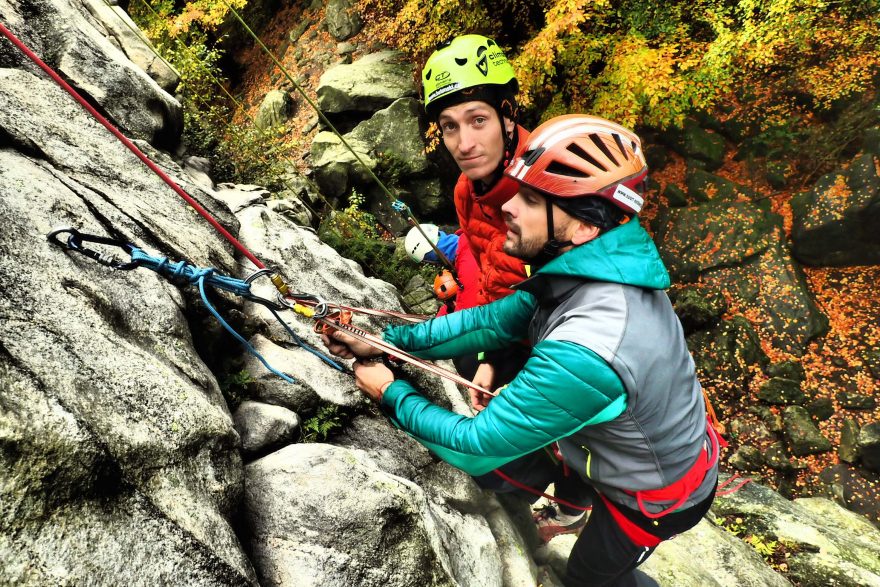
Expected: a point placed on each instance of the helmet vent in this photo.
(428, 74)
(461, 60)
(577, 150)
(601, 144)
(559, 169)
(529, 157)
(620, 145)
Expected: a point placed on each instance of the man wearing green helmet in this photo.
(470, 93)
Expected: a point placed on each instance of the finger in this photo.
(340, 350)
(342, 337)
(475, 402)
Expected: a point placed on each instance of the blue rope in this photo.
(183, 271)
(304, 345)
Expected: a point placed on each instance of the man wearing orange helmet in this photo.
(609, 388)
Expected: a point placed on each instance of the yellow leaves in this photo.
(852, 60)
(613, 59)
(653, 84)
(432, 138)
(416, 27)
(207, 13)
(535, 64)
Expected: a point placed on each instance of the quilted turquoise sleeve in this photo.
(562, 388)
(482, 328)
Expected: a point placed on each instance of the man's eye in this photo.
(480, 120)
(447, 127)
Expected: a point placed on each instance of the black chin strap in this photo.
(551, 248)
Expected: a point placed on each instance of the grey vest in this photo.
(663, 429)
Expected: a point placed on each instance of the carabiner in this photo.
(75, 241)
(257, 299)
(319, 310)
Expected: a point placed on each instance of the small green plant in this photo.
(352, 222)
(318, 427)
(354, 233)
(234, 387)
(766, 548)
(774, 552)
(732, 524)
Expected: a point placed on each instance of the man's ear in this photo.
(584, 232)
(509, 125)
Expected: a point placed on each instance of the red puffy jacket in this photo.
(482, 221)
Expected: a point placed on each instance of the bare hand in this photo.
(373, 378)
(348, 347)
(484, 377)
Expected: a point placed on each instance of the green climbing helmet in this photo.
(467, 62)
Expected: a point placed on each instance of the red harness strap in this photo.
(638, 536)
(679, 491)
(684, 487)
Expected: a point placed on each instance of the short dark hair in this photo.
(500, 97)
(593, 209)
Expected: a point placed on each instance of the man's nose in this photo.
(465, 140)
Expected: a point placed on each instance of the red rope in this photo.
(534, 491)
(131, 147)
(735, 488)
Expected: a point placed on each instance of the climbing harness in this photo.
(182, 272)
(679, 490)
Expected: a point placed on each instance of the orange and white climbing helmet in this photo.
(577, 155)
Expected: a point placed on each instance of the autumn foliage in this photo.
(652, 63)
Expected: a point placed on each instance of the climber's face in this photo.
(472, 134)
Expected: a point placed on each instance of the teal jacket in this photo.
(563, 387)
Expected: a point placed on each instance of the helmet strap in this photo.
(551, 248)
